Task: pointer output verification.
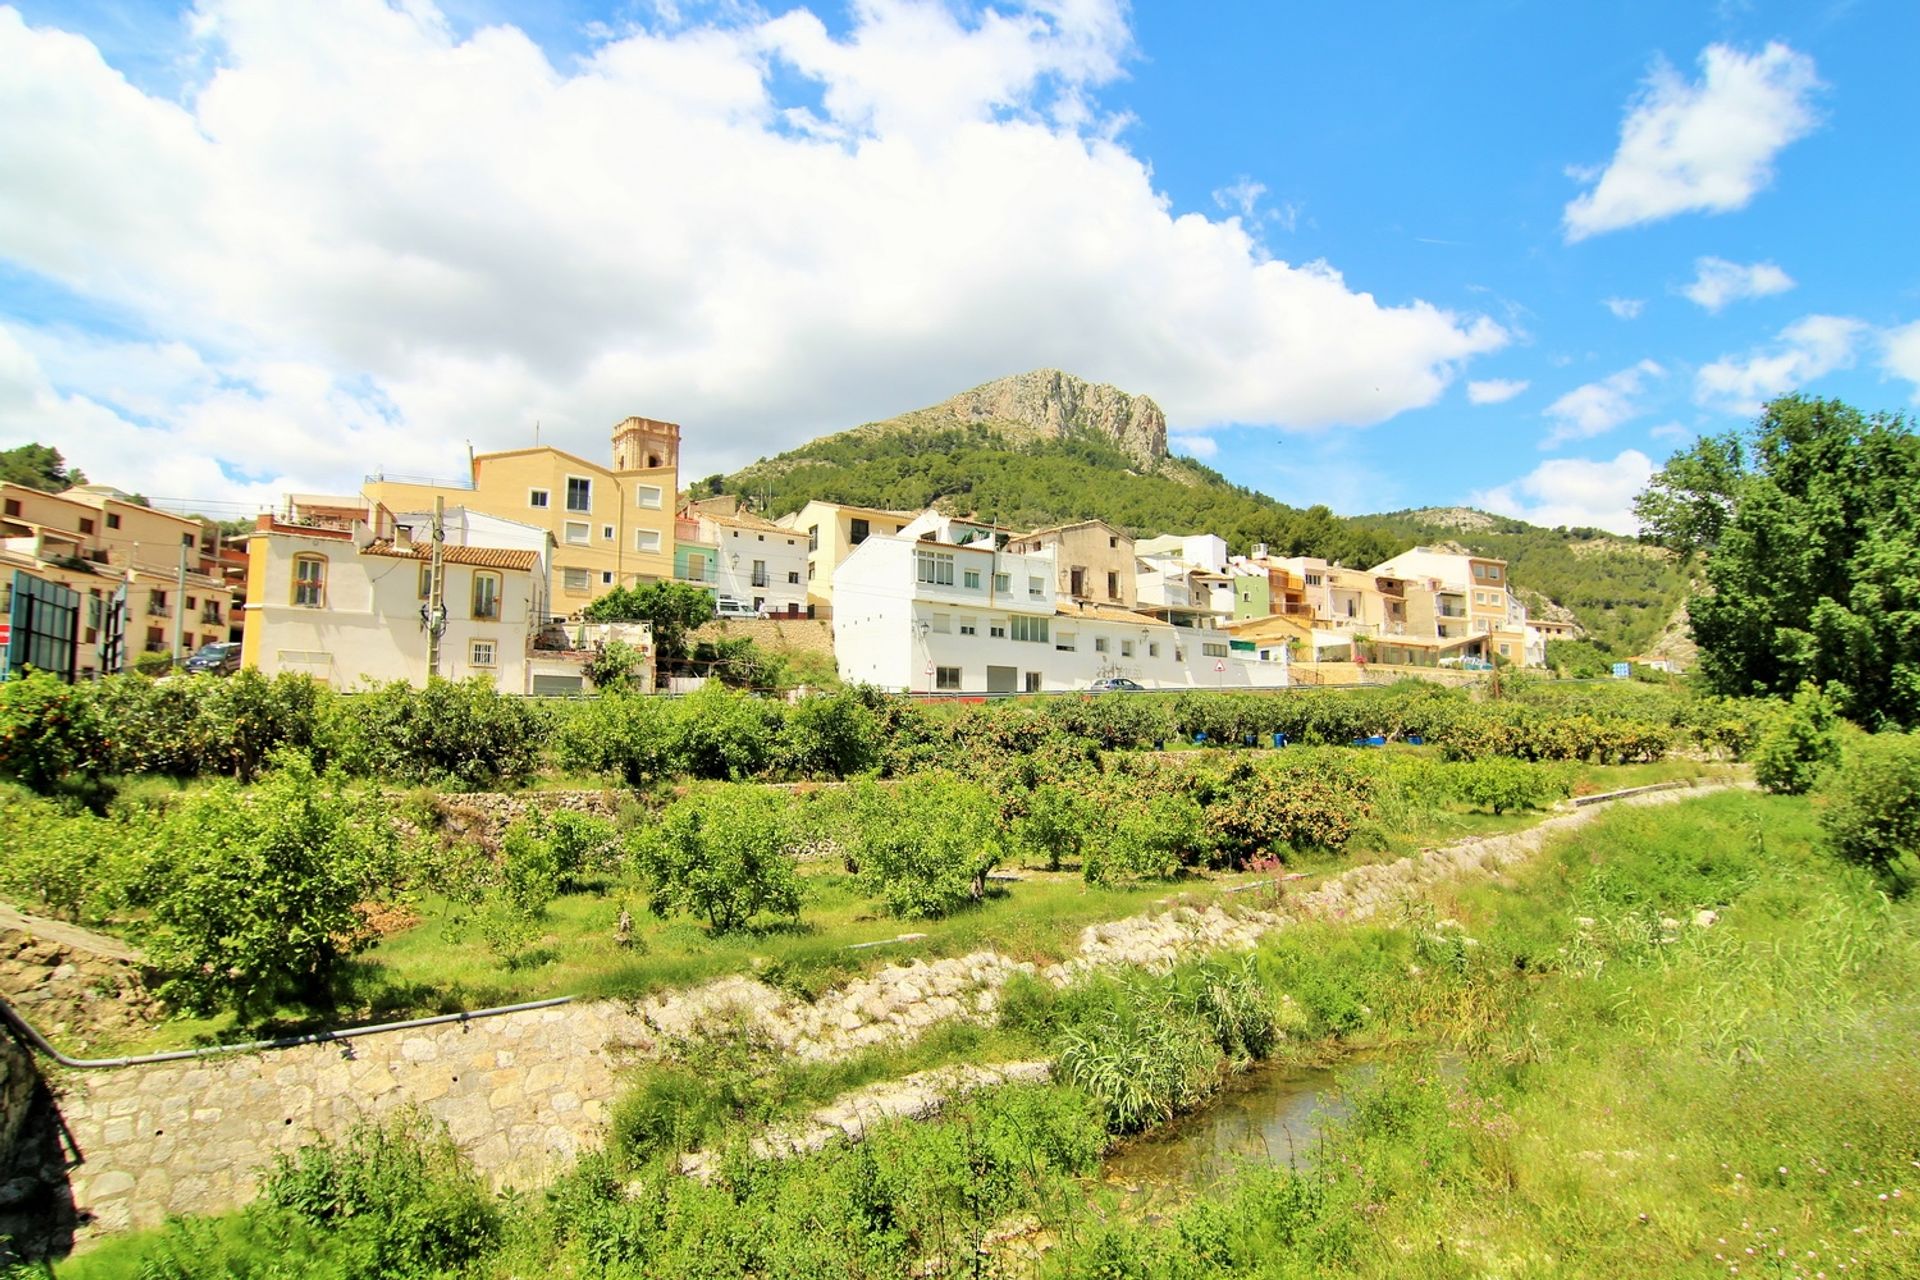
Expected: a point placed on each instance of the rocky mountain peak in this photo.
(1055, 404)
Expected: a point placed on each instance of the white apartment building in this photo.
(941, 608)
(759, 563)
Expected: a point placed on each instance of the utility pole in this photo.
(179, 603)
(436, 588)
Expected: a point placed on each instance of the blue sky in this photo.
(1402, 254)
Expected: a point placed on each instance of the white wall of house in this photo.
(468, 528)
(924, 617)
(1202, 550)
(764, 565)
(367, 624)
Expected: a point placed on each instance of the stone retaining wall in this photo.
(486, 815)
(75, 986)
(525, 1092)
(776, 635)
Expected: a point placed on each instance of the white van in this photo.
(728, 607)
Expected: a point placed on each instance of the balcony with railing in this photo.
(158, 608)
(211, 614)
(759, 577)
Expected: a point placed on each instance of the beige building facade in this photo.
(610, 525)
(96, 541)
(832, 530)
(342, 606)
(1095, 561)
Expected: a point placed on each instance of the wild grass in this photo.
(1632, 1086)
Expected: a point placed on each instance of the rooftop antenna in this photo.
(536, 433)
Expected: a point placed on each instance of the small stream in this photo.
(1270, 1115)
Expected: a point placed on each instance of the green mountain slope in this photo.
(1047, 448)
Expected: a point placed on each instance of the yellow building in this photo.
(95, 540)
(833, 530)
(611, 526)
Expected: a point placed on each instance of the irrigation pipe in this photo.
(12, 1018)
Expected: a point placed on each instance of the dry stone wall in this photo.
(76, 986)
(525, 1092)
(776, 635)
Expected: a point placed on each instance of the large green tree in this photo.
(38, 466)
(673, 608)
(1810, 523)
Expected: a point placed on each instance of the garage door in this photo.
(557, 686)
(1003, 679)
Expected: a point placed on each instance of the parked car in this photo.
(728, 607)
(220, 658)
(1115, 684)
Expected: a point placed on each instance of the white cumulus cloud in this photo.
(1495, 390)
(1700, 146)
(1716, 282)
(1576, 492)
(1598, 407)
(1900, 354)
(1206, 448)
(1624, 308)
(1809, 348)
(370, 238)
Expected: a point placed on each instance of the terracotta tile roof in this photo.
(479, 557)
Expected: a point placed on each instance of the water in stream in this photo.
(1272, 1115)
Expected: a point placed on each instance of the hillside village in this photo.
(489, 576)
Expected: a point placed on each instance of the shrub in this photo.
(70, 865)
(1136, 1051)
(464, 731)
(830, 735)
(925, 846)
(255, 891)
(48, 732)
(1154, 835)
(1873, 803)
(1800, 740)
(396, 1198)
(727, 854)
(1498, 785)
(630, 737)
(718, 733)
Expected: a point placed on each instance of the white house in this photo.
(1202, 550)
(940, 607)
(759, 563)
(342, 605)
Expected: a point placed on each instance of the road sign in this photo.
(1219, 665)
(1621, 671)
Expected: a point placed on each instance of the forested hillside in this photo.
(977, 470)
(1622, 593)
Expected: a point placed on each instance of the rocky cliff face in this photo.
(1054, 404)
